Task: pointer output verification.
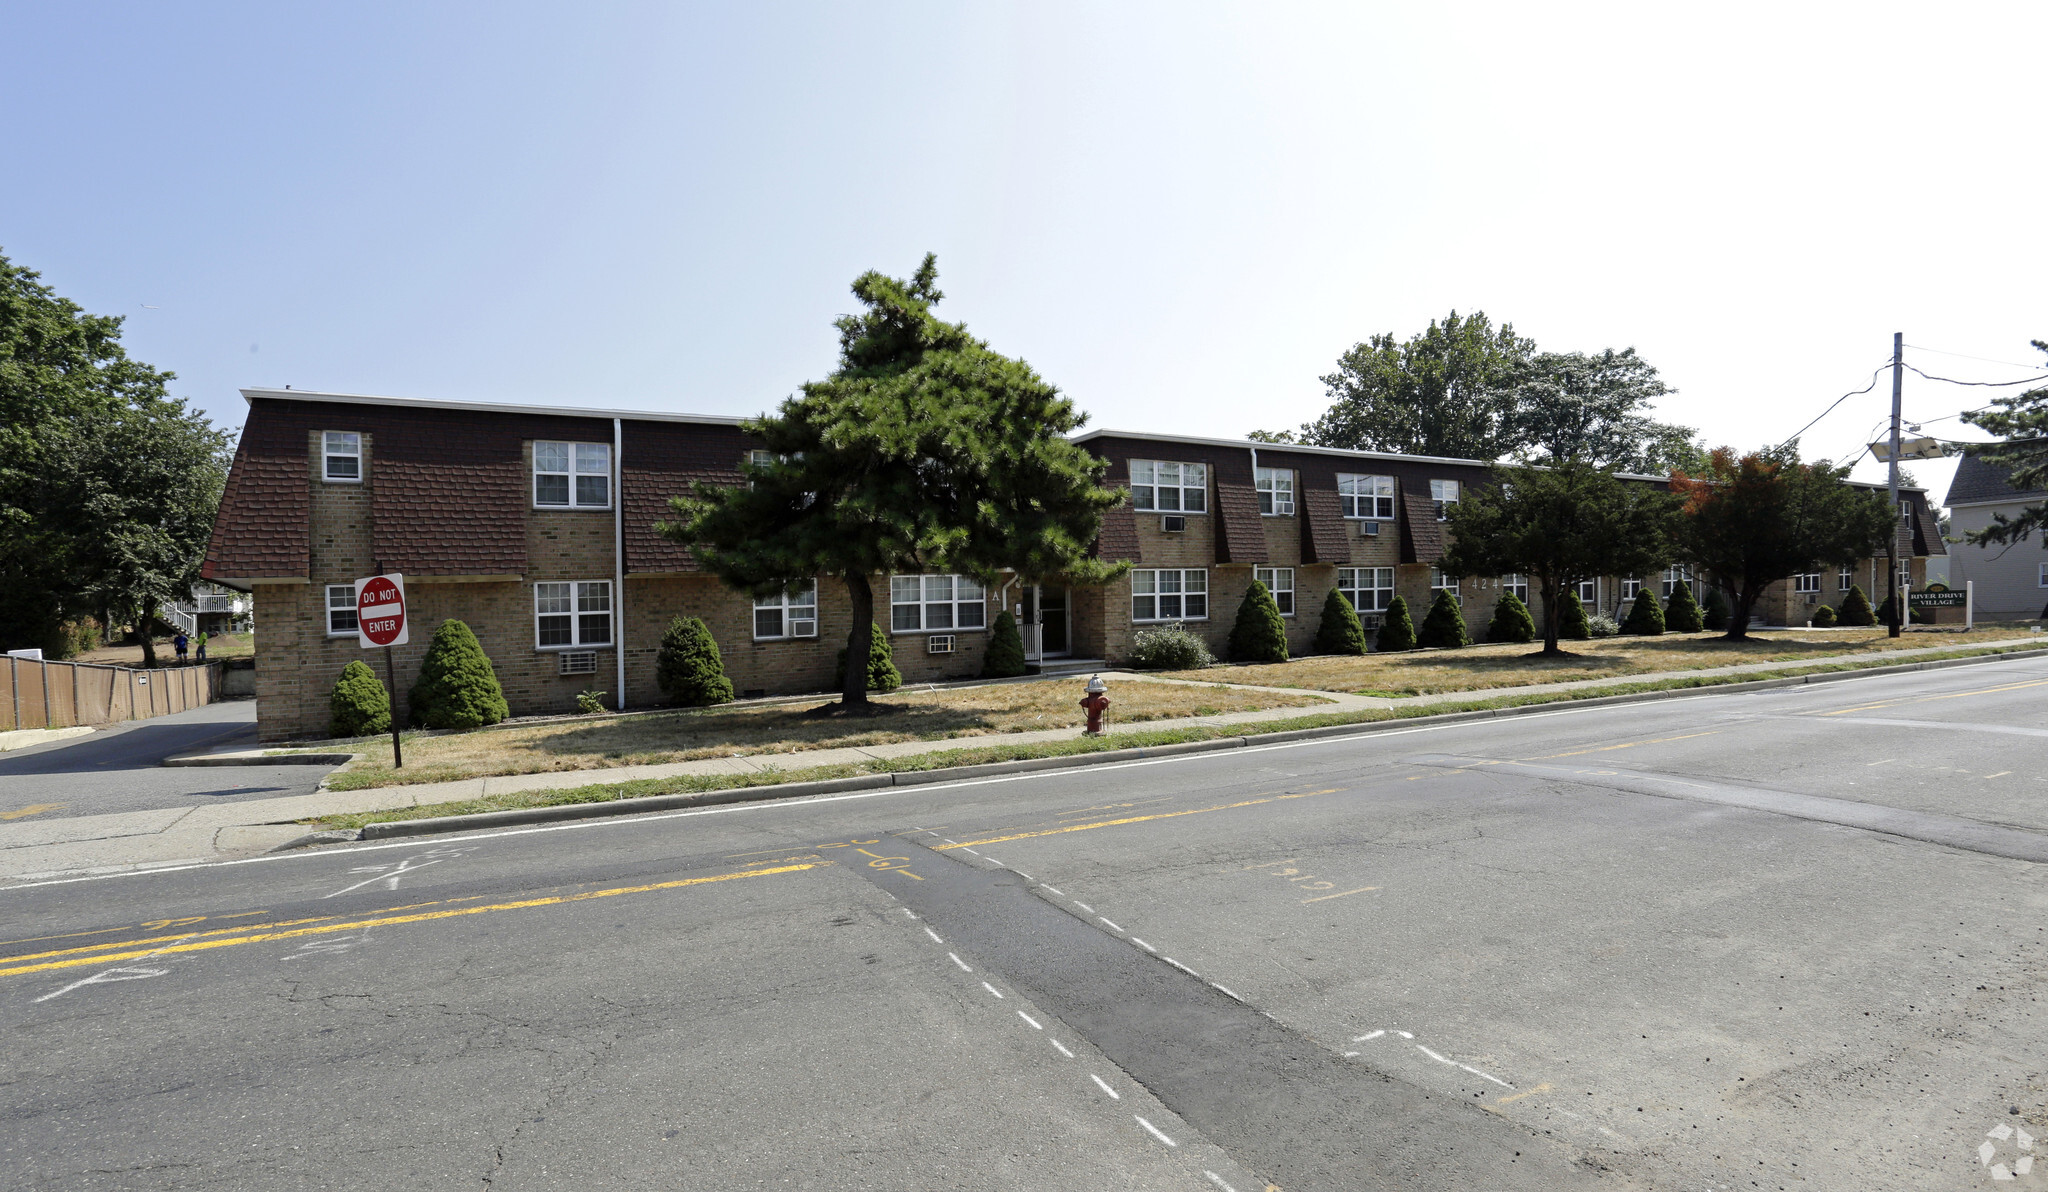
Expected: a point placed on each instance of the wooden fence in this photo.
(63, 694)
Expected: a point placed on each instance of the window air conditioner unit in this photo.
(1173, 523)
(941, 643)
(1368, 529)
(1371, 620)
(579, 662)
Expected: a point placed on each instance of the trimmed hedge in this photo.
(1511, 620)
(457, 687)
(1682, 612)
(1824, 617)
(358, 706)
(1397, 631)
(882, 672)
(1444, 626)
(1340, 631)
(1169, 647)
(1259, 634)
(1856, 608)
(688, 667)
(1004, 658)
(1571, 618)
(1645, 619)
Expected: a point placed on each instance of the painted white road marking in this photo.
(1154, 1131)
(1218, 1181)
(1111, 926)
(960, 962)
(1183, 968)
(389, 875)
(1063, 1049)
(1142, 944)
(1084, 906)
(1467, 1067)
(935, 936)
(1227, 993)
(1104, 1085)
(1054, 891)
(108, 977)
(992, 989)
(1033, 1021)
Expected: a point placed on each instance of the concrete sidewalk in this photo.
(143, 839)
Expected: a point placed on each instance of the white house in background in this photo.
(211, 609)
(2012, 581)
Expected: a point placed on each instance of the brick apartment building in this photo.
(535, 526)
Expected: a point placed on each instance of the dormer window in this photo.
(572, 475)
(1276, 491)
(1443, 494)
(341, 457)
(1366, 497)
(1168, 487)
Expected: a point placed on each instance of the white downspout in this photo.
(619, 553)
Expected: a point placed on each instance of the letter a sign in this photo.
(380, 611)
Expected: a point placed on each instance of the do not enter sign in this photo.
(380, 611)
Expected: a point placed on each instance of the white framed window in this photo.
(341, 457)
(1629, 590)
(1810, 582)
(1439, 582)
(1170, 595)
(1369, 589)
(787, 614)
(1280, 582)
(1589, 593)
(1518, 584)
(1169, 487)
(1276, 491)
(574, 614)
(341, 610)
(2043, 582)
(1673, 577)
(921, 603)
(572, 475)
(1444, 493)
(1366, 497)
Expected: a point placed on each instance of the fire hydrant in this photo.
(1093, 703)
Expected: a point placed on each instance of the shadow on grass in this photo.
(795, 726)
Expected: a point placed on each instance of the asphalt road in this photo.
(1782, 939)
(119, 769)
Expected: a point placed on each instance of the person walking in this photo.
(199, 655)
(179, 643)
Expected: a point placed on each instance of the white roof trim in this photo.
(1308, 450)
(484, 407)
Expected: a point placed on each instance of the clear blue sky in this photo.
(1181, 213)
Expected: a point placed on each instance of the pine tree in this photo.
(1005, 656)
(1340, 631)
(1444, 625)
(1397, 631)
(457, 687)
(1511, 620)
(1571, 618)
(1856, 608)
(882, 672)
(688, 668)
(1682, 614)
(358, 706)
(1714, 616)
(1645, 619)
(1259, 635)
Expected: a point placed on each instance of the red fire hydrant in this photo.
(1093, 703)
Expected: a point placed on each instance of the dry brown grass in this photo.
(1476, 668)
(603, 742)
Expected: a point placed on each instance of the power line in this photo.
(1966, 356)
(1980, 384)
(1838, 401)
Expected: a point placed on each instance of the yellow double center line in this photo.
(260, 937)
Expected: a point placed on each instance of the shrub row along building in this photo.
(536, 527)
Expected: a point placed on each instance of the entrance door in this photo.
(1052, 611)
(1027, 624)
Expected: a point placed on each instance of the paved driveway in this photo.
(121, 768)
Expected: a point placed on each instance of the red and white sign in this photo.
(380, 611)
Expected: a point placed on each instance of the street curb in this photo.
(565, 812)
(258, 759)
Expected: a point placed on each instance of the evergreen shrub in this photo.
(1259, 634)
(1444, 625)
(882, 672)
(358, 706)
(1340, 631)
(1714, 615)
(1856, 608)
(1645, 619)
(1397, 630)
(1571, 618)
(457, 687)
(1169, 647)
(1511, 620)
(1601, 625)
(1682, 612)
(1824, 617)
(688, 667)
(1004, 658)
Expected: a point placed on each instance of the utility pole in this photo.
(1891, 548)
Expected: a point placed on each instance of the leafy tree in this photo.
(107, 486)
(1259, 634)
(924, 451)
(1340, 631)
(1443, 626)
(1856, 608)
(1571, 618)
(358, 706)
(1448, 391)
(1756, 519)
(688, 667)
(882, 672)
(1511, 620)
(457, 687)
(1397, 630)
(1682, 612)
(1571, 405)
(1004, 658)
(1559, 525)
(1715, 613)
(2023, 421)
(1645, 619)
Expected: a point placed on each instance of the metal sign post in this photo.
(381, 621)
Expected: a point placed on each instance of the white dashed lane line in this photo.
(1154, 1131)
(1063, 1048)
(992, 989)
(1113, 1094)
(960, 962)
(935, 936)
